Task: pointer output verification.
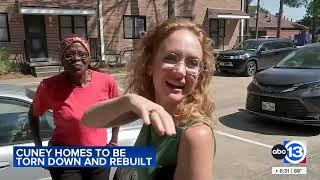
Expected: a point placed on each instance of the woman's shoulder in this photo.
(199, 135)
(198, 131)
(196, 121)
(53, 80)
(102, 76)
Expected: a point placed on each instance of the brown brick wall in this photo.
(113, 11)
(17, 33)
(232, 33)
(52, 32)
(156, 12)
(16, 28)
(198, 10)
(92, 28)
(284, 33)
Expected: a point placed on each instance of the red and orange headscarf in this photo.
(72, 38)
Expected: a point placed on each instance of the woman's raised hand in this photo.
(152, 113)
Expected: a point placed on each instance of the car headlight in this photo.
(255, 81)
(310, 85)
(242, 56)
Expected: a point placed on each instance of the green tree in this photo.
(253, 10)
(313, 18)
(290, 3)
(296, 3)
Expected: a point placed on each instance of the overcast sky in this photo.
(273, 7)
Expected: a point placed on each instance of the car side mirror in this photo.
(263, 49)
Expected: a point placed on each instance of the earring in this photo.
(149, 72)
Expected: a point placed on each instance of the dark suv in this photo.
(252, 55)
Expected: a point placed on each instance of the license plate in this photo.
(225, 64)
(268, 106)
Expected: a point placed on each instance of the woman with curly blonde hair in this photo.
(168, 84)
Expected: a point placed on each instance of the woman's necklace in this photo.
(86, 80)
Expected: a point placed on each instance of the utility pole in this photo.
(257, 19)
(171, 6)
(242, 22)
(100, 37)
(280, 18)
(247, 20)
(99, 58)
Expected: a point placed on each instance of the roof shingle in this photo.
(271, 21)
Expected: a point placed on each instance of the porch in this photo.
(45, 25)
(225, 27)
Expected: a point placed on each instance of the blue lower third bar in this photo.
(84, 156)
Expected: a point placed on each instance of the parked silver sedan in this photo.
(15, 131)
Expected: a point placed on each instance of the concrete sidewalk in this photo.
(23, 81)
(34, 81)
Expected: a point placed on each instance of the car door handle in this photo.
(4, 165)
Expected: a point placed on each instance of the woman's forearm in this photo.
(110, 113)
(34, 126)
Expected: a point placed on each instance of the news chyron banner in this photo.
(83, 156)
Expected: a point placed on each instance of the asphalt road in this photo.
(244, 142)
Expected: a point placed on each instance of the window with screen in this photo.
(73, 24)
(134, 26)
(4, 28)
(217, 31)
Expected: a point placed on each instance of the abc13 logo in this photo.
(293, 152)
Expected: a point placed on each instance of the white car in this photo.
(15, 131)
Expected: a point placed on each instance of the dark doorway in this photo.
(217, 32)
(36, 43)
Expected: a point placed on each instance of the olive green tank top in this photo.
(166, 155)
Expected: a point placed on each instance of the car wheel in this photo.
(251, 68)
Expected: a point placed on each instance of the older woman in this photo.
(69, 94)
(170, 78)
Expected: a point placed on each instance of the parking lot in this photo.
(244, 142)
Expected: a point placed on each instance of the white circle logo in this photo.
(296, 152)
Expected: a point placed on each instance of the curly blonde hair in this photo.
(198, 104)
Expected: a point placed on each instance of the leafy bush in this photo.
(8, 66)
(5, 64)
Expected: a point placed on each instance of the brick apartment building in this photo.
(32, 29)
(268, 24)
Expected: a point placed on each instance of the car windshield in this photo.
(248, 45)
(305, 58)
